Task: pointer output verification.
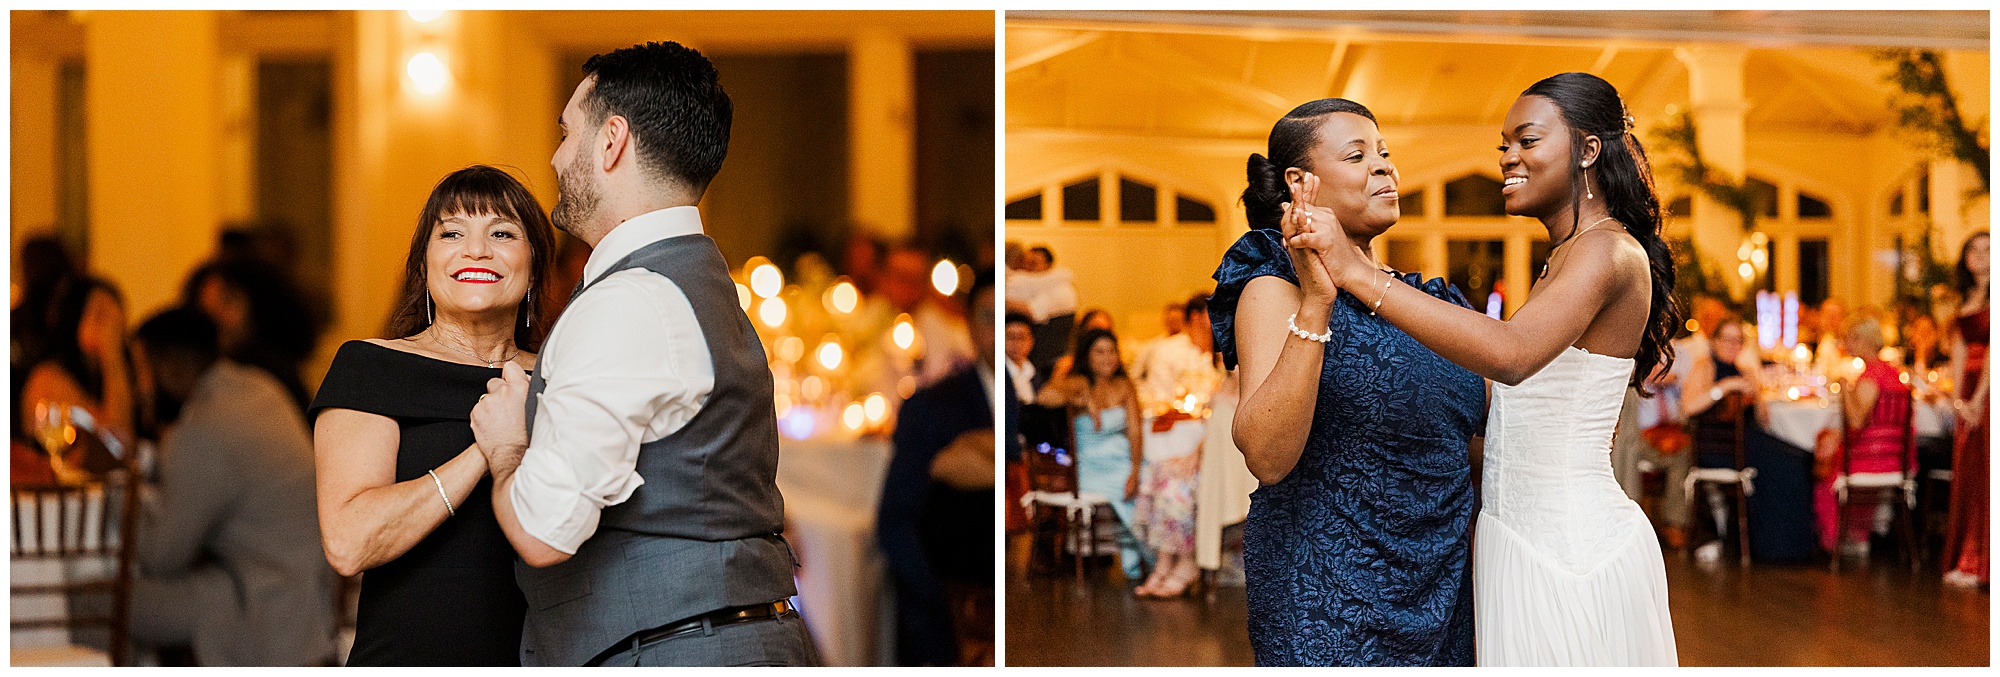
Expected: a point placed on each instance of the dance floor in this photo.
(1767, 615)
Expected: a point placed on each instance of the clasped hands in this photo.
(1324, 257)
(500, 420)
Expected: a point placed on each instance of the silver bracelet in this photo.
(1292, 323)
(1386, 284)
(441, 494)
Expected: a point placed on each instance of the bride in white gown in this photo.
(1566, 568)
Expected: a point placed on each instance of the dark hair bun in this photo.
(1263, 199)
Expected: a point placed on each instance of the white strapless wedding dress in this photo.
(1566, 569)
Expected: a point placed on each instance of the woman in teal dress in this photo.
(1357, 549)
(1109, 444)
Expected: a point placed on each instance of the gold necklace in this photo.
(462, 349)
(1572, 236)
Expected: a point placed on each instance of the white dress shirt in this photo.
(1023, 375)
(629, 366)
(1046, 294)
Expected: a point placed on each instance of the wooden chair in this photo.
(1897, 488)
(1718, 434)
(1053, 498)
(75, 542)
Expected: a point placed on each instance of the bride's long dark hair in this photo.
(1591, 107)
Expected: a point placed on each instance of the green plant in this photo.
(1688, 166)
(1925, 103)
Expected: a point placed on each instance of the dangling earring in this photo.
(1587, 195)
(428, 318)
(528, 307)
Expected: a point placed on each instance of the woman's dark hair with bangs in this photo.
(1591, 107)
(1079, 357)
(481, 190)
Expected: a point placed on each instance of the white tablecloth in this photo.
(831, 489)
(1223, 496)
(1798, 423)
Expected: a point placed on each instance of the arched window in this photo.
(1813, 208)
(1474, 195)
(1139, 202)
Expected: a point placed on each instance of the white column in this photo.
(1715, 94)
(881, 133)
(151, 119)
(1110, 201)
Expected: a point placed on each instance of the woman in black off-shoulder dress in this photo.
(404, 492)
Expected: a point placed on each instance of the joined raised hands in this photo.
(1317, 231)
(1299, 227)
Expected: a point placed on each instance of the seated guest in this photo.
(229, 549)
(1020, 391)
(1875, 407)
(1179, 365)
(1047, 295)
(83, 362)
(935, 520)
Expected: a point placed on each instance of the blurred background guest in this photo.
(935, 519)
(265, 320)
(84, 361)
(1023, 380)
(1967, 547)
(1179, 378)
(44, 263)
(1047, 295)
(229, 552)
(1874, 407)
(1107, 421)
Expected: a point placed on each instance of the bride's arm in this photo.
(1506, 351)
(366, 517)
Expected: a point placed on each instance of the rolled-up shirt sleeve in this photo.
(626, 366)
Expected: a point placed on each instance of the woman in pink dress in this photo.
(1875, 407)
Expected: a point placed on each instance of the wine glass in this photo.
(57, 435)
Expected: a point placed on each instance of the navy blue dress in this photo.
(1362, 554)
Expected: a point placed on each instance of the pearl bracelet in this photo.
(1292, 323)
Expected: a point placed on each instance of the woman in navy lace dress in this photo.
(1357, 548)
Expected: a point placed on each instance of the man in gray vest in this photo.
(636, 472)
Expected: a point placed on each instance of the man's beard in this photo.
(577, 198)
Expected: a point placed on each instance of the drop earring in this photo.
(1587, 195)
(528, 308)
(428, 317)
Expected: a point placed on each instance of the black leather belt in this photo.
(694, 624)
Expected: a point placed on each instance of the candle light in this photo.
(842, 297)
(905, 333)
(791, 348)
(852, 416)
(875, 407)
(772, 312)
(945, 277)
(829, 352)
(765, 279)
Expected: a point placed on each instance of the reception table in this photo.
(831, 487)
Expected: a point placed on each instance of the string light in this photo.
(843, 297)
(945, 277)
(772, 312)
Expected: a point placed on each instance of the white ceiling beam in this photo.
(1052, 51)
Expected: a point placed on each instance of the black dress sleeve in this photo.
(389, 382)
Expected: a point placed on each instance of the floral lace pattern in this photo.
(1361, 555)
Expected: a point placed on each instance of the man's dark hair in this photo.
(672, 98)
(1018, 318)
(981, 281)
(1044, 251)
(181, 334)
(1196, 304)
